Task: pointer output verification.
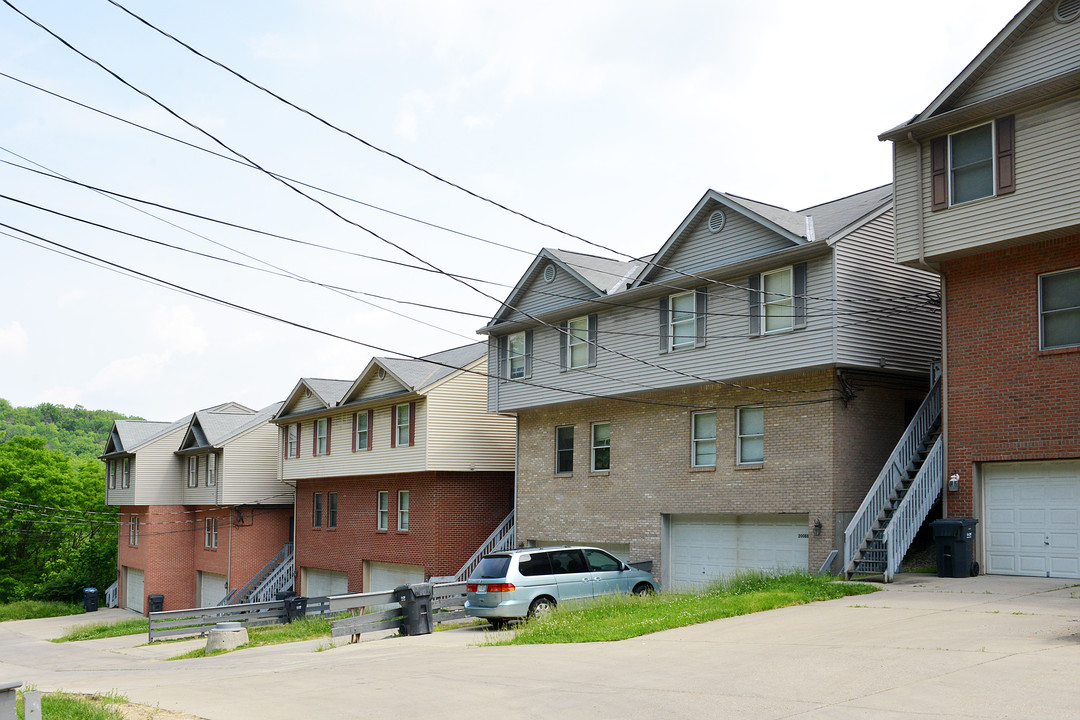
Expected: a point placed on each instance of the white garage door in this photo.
(1032, 515)
(211, 589)
(387, 576)
(319, 583)
(133, 589)
(706, 547)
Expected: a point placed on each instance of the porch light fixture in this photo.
(817, 528)
(954, 482)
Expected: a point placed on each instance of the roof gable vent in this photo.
(1067, 11)
(716, 221)
(382, 373)
(549, 273)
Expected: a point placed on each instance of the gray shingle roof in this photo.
(330, 391)
(418, 374)
(607, 274)
(793, 222)
(136, 433)
(835, 215)
(217, 428)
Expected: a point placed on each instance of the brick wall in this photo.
(819, 460)
(450, 515)
(164, 553)
(1007, 399)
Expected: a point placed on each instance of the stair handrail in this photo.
(913, 509)
(259, 577)
(862, 523)
(502, 538)
(283, 576)
(111, 595)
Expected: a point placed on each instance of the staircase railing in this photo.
(503, 538)
(282, 577)
(858, 530)
(913, 509)
(111, 595)
(267, 569)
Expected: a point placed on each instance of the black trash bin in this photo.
(955, 541)
(295, 608)
(284, 594)
(90, 599)
(157, 602)
(415, 601)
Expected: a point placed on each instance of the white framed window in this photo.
(601, 446)
(211, 470)
(322, 436)
(211, 532)
(777, 302)
(363, 431)
(577, 342)
(401, 425)
(125, 478)
(110, 474)
(682, 323)
(971, 164)
(1059, 309)
(193, 471)
(703, 450)
(403, 510)
(750, 435)
(564, 449)
(133, 530)
(515, 355)
(316, 510)
(331, 510)
(383, 512)
(292, 440)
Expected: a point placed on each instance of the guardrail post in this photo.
(32, 705)
(8, 694)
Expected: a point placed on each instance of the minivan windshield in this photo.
(493, 566)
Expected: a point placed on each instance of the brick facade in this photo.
(820, 459)
(172, 547)
(1006, 398)
(450, 515)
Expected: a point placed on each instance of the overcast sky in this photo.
(608, 120)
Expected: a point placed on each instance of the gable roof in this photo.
(127, 436)
(216, 427)
(420, 374)
(833, 216)
(326, 391)
(948, 99)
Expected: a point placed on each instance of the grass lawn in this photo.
(30, 609)
(96, 631)
(62, 706)
(306, 629)
(619, 617)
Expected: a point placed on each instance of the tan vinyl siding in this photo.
(160, 471)
(343, 461)
(380, 388)
(1047, 196)
(463, 435)
(249, 470)
(1046, 49)
(308, 402)
(700, 250)
(203, 494)
(543, 297)
(120, 495)
(729, 354)
(906, 339)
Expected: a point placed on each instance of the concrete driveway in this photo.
(987, 647)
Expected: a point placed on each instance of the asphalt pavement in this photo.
(985, 647)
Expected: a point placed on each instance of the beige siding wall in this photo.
(1047, 196)
(309, 402)
(202, 494)
(379, 388)
(1046, 49)
(250, 472)
(900, 335)
(158, 478)
(120, 495)
(463, 435)
(343, 461)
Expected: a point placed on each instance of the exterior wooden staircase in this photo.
(910, 482)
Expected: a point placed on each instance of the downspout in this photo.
(921, 231)
(517, 442)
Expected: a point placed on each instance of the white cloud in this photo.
(60, 395)
(178, 330)
(129, 372)
(13, 339)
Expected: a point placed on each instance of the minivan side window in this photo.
(534, 564)
(568, 561)
(600, 561)
(493, 566)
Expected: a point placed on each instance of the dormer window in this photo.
(211, 470)
(975, 163)
(125, 479)
(292, 440)
(193, 471)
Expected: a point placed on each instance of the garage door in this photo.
(211, 589)
(387, 576)
(706, 547)
(133, 589)
(1032, 516)
(319, 583)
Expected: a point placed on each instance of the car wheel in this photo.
(541, 606)
(643, 589)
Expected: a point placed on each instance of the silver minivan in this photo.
(530, 581)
